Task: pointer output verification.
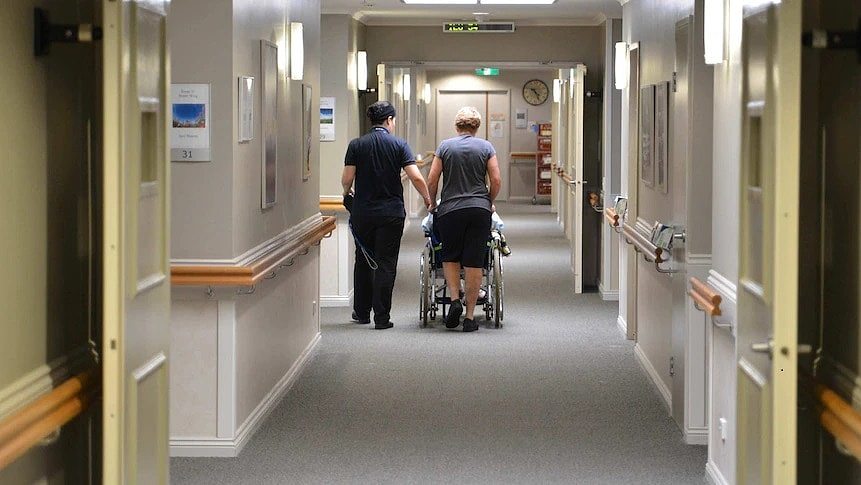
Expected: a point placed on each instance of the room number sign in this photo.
(190, 123)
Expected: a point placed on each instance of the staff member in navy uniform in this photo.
(374, 162)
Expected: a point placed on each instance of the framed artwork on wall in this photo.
(269, 113)
(647, 135)
(307, 94)
(662, 108)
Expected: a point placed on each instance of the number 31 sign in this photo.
(190, 118)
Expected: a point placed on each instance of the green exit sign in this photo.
(487, 71)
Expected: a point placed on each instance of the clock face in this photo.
(535, 92)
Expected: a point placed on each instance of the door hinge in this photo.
(672, 366)
(834, 39)
(675, 82)
(45, 33)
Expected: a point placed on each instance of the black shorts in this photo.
(464, 234)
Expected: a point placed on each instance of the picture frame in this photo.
(307, 142)
(246, 108)
(662, 108)
(647, 135)
(269, 123)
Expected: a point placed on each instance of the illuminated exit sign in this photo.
(487, 71)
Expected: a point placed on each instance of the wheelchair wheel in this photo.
(498, 288)
(425, 291)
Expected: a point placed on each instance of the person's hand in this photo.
(492, 208)
(429, 204)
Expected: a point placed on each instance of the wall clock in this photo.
(535, 92)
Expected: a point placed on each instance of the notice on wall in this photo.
(520, 119)
(497, 129)
(327, 119)
(497, 117)
(190, 123)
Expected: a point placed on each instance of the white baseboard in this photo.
(647, 366)
(623, 325)
(231, 447)
(333, 301)
(714, 476)
(608, 295)
(697, 436)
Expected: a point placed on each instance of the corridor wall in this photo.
(341, 38)
(235, 351)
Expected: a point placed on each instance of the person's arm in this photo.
(418, 181)
(495, 177)
(347, 178)
(434, 175)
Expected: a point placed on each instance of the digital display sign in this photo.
(471, 27)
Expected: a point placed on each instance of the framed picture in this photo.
(269, 112)
(662, 108)
(647, 135)
(246, 109)
(306, 131)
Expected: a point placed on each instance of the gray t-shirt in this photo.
(464, 168)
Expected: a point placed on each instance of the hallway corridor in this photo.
(554, 396)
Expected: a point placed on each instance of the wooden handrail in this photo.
(643, 245)
(21, 431)
(706, 298)
(611, 216)
(840, 419)
(522, 155)
(255, 271)
(332, 204)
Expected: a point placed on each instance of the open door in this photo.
(135, 242)
(768, 271)
(575, 168)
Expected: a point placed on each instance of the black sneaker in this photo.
(361, 321)
(383, 326)
(452, 320)
(470, 325)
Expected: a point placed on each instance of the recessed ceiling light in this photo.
(481, 13)
(440, 2)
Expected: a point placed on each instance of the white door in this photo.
(575, 168)
(135, 242)
(768, 271)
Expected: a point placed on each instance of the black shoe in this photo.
(361, 321)
(470, 325)
(452, 320)
(383, 326)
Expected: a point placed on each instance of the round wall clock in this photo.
(535, 92)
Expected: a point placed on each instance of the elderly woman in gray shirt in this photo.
(463, 216)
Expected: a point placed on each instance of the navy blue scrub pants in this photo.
(381, 236)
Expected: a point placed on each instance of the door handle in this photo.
(763, 347)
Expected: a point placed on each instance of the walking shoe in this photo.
(361, 321)
(470, 325)
(452, 320)
(383, 326)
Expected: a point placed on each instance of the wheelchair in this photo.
(435, 296)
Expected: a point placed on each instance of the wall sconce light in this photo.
(621, 65)
(557, 90)
(572, 82)
(362, 68)
(297, 51)
(714, 15)
(427, 93)
(406, 88)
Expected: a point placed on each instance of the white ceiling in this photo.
(395, 12)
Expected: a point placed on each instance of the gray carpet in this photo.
(553, 397)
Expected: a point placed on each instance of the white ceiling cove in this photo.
(395, 12)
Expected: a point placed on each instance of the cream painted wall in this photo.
(652, 23)
(341, 38)
(297, 199)
(202, 193)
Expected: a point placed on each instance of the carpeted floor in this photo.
(553, 397)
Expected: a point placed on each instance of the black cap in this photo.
(380, 111)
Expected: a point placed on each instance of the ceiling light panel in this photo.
(517, 2)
